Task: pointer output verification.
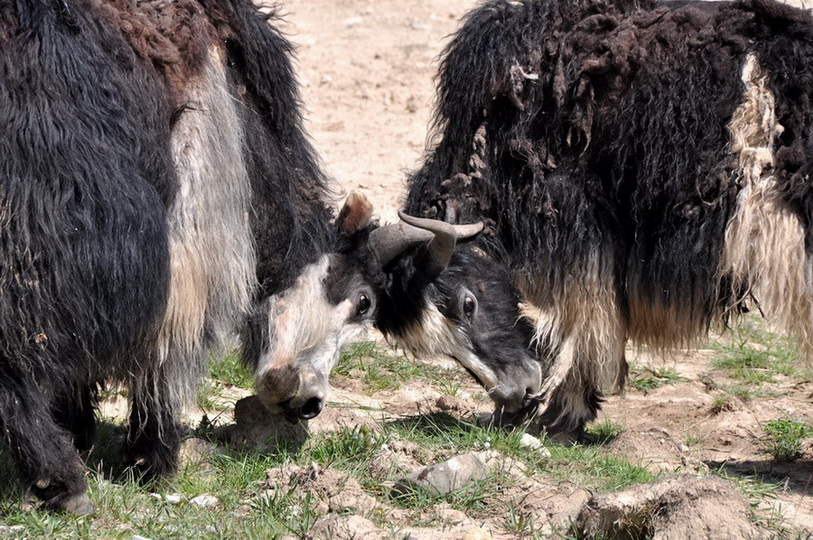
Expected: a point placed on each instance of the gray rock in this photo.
(445, 477)
(259, 430)
(205, 500)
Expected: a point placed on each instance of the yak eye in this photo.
(363, 305)
(468, 306)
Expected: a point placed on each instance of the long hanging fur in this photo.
(606, 145)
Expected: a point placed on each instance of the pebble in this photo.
(477, 533)
(205, 500)
(11, 529)
(532, 443)
(172, 499)
(445, 477)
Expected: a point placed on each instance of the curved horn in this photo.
(389, 241)
(442, 246)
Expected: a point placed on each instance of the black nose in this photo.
(310, 409)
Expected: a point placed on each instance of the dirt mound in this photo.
(673, 507)
(657, 451)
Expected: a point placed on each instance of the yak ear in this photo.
(355, 215)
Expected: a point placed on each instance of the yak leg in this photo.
(49, 465)
(75, 411)
(153, 438)
(590, 362)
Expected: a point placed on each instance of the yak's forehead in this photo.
(435, 335)
(303, 316)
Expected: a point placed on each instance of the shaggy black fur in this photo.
(593, 132)
(88, 95)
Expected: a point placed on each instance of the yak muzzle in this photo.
(298, 394)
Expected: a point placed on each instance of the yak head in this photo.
(445, 298)
(412, 283)
(294, 338)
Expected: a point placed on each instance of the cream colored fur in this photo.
(211, 245)
(764, 242)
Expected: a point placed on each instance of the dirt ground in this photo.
(367, 70)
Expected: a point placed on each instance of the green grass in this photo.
(784, 437)
(124, 508)
(755, 356)
(593, 468)
(649, 377)
(590, 466)
(757, 360)
(604, 432)
(224, 372)
(229, 371)
(378, 367)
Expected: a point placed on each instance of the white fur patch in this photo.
(764, 241)
(436, 335)
(212, 258)
(307, 335)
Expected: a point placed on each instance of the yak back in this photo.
(596, 133)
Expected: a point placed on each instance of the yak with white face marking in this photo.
(642, 170)
(157, 192)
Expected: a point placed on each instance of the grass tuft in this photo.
(649, 378)
(784, 438)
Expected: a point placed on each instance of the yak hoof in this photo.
(77, 505)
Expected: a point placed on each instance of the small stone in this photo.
(532, 443)
(205, 500)
(445, 477)
(11, 529)
(477, 533)
(353, 21)
(172, 499)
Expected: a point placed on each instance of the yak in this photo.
(158, 194)
(643, 172)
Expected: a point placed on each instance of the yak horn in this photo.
(442, 246)
(391, 240)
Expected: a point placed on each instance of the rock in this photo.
(11, 530)
(334, 527)
(259, 430)
(196, 451)
(477, 533)
(445, 477)
(533, 443)
(171, 499)
(672, 507)
(205, 500)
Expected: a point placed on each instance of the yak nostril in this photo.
(311, 409)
